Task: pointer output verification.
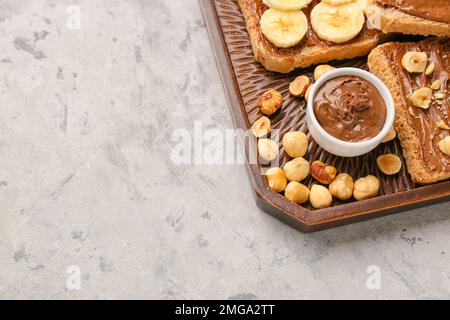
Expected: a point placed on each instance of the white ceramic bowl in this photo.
(340, 147)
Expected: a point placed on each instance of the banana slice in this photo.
(338, 2)
(287, 5)
(284, 28)
(337, 24)
(362, 3)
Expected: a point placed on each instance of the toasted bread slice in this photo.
(418, 133)
(391, 20)
(311, 50)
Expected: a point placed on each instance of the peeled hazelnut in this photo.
(342, 187)
(299, 86)
(436, 85)
(308, 92)
(439, 96)
(366, 188)
(295, 144)
(320, 70)
(415, 62)
(270, 102)
(320, 197)
(444, 145)
(261, 127)
(323, 173)
(296, 192)
(276, 179)
(421, 98)
(297, 169)
(430, 69)
(443, 125)
(267, 149)
(390, 136)
(389, 164)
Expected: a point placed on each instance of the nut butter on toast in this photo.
(311, 50)
(421, 17)
(418, 128)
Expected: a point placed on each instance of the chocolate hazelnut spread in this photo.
(437, 10)
(350, 108)
(423, 121)
(257, 8)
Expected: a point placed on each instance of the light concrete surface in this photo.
(86, 177)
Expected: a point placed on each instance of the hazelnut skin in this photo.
(270, 102)
(322, 172)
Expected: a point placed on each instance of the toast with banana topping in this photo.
(290, 34)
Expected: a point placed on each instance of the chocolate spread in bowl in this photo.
(437, 10)
(350, 109)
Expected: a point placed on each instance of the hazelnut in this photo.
(323, 173)
(276, 179)
(296, 192)
(415, 62)
(261, 127)
(267, 149)
(366, 188)
(308, 92)
(392, 134)
(297, 169)
(439, 96)
(342, 187)
(436, 85)
(320, 197)
(444, 145)
(430, 69)
(421, 98)
(320, 70)
(299, 86)
(270, 102)
(389, 164)
(443, 125)
(295, 144)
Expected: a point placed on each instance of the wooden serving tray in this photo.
(245, 80)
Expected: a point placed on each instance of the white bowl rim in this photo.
(379, 85)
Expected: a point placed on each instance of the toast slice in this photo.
(417, 128)
(391, 20)
(311, 50)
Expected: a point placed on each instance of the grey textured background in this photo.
(86, 119)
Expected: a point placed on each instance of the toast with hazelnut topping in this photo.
(310, 51)
(392, 20)
(418, 124)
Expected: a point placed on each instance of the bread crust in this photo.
(391, 20)
(379, 64)
(303, 56)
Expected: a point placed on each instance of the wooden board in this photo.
(244, 80)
